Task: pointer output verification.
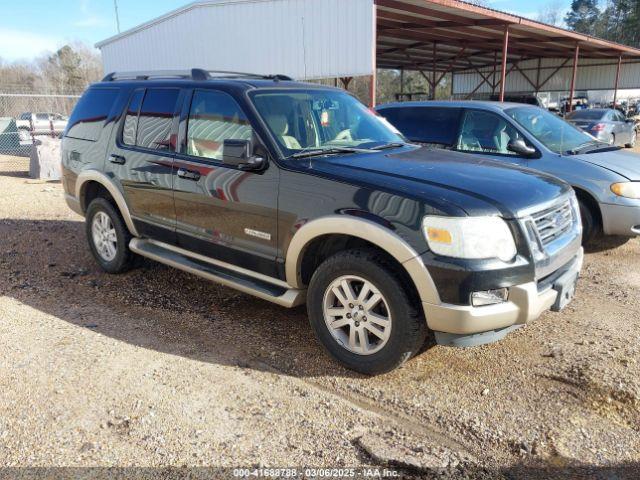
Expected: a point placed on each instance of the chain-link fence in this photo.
(25, 118)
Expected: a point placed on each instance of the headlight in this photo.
(469, 237)
(626, 189)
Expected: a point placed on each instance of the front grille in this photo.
(553, 222)
(554, 235)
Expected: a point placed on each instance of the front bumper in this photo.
(526, 303)
(620, 219)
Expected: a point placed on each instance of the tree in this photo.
(70, 69)
(17, 77)
(620, 22)
(583, 16)
(633, 25)
(551, 13)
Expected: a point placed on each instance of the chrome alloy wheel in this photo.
(104, 236)
(357, 315)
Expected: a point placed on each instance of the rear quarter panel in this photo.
(78, 155)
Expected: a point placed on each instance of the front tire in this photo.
(363, 313)
(108, 237)
(590, 224)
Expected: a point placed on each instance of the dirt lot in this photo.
(158, 368)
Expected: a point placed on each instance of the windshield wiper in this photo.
(385, 146)
(605, 147)
(329, 151)
(577, 149)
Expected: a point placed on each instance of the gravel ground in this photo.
(157, 368)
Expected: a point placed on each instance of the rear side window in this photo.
(425, 124)
(92, 110)
(156, 117)
(131, 118)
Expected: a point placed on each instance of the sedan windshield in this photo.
(310, 122)
(550, 130)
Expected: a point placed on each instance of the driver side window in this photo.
(486, 132)
(214, 117)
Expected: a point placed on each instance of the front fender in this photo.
(367, 230)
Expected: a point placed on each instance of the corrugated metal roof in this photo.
(455, 35)
(167, 16)
(305, 39)
(330, 38)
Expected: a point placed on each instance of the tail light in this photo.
(598, 127)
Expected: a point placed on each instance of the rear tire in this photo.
(354, 284)
(108, 237)
(632, 144)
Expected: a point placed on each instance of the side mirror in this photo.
(237, 153)
(521, 148)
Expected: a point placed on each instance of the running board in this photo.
(261, 286)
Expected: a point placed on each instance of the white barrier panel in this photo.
(45, 159)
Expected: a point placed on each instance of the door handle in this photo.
(117, 159)
(188, 174)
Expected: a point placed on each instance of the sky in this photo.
(29, 28)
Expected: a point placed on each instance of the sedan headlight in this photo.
(470, 237)
(627, 189)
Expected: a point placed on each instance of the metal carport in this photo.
(438, 37)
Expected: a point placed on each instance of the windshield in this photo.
(586, 115)
(550, 130)
(303, 120)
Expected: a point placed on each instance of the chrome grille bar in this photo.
(553, 222)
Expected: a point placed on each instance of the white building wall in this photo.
(305, 39)
(589, 76)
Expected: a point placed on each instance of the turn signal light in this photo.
(439, 235)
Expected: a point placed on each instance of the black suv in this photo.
(298, 193)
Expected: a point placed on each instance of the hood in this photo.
(447, 179)
(622, 162)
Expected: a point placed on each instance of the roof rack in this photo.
(193, 74)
